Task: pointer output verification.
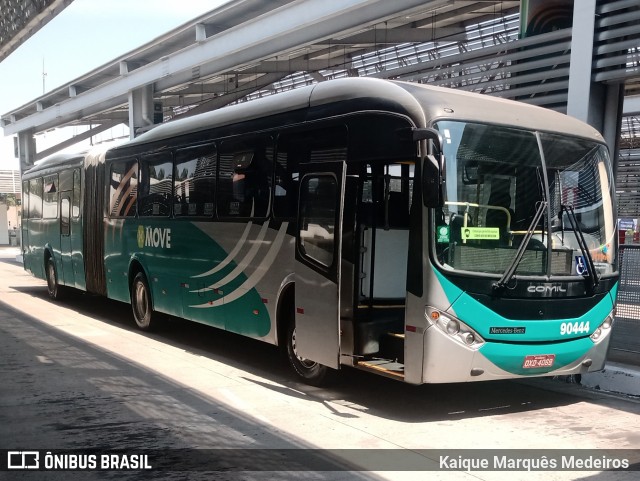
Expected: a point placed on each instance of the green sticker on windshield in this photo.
(443, 234)
(480, 233)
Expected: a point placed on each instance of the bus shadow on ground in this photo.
(356, 390)
(72, 395)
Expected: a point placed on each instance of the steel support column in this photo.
(580, 71)
(26, 150)
(597, 103)
(612, 121)
(140, 109)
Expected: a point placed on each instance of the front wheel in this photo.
(310, 371)
(141, 302)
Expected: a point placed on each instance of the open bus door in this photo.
(318, 262)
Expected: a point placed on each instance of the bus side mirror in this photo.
(432, 166)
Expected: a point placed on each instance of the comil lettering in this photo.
(157, 237)
(546, 289)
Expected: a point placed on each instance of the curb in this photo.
(11, 251)
(615, 377)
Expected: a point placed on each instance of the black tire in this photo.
(308, 371)
(55, 290)
(141, 303)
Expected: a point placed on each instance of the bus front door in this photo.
(318, 259)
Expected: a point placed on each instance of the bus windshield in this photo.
(499, 178)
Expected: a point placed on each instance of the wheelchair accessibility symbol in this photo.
(581, 266)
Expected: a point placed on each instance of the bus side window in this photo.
(75, 206)
(195, 181)
(35, 198)
(244, 179)
(65, 211)
(287, 176)
(156, 186)
(50, 197)
(123, 189)
(316, 238)
(323, 144)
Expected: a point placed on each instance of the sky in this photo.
(84, 36)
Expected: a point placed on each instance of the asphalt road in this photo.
(77, 377)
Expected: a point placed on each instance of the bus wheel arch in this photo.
(285, 314)
(141, 297)
(54, 289)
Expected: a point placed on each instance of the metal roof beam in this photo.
(382, 36)
(233, 95)
(75, 139)
(266, 36)
(302, 65)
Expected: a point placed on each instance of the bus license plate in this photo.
(537, 361)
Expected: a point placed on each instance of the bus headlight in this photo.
(454, 328)
(468, 338)
(602, 329)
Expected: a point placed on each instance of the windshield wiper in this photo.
(508, 274)
(591, 268)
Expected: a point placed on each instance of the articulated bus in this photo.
(421, 233)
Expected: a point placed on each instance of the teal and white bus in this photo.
(425, 234)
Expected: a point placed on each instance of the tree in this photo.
(9, 199)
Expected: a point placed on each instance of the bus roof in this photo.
(445, 103)
(64, 160)
(55, 162)
(423, 103)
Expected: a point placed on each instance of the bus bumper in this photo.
(448, 361)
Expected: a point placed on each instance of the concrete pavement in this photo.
(88, 377)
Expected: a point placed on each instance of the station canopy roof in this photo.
(251, 48)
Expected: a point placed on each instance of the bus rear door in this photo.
(318, 259)
(24, 226)
(67, 274)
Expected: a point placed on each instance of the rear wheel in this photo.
(55, 290)
(141, 302)
(310, 371)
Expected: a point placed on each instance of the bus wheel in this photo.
(141, 302)
(55, 290)
(310, 371)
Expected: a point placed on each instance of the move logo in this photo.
(154, 237)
